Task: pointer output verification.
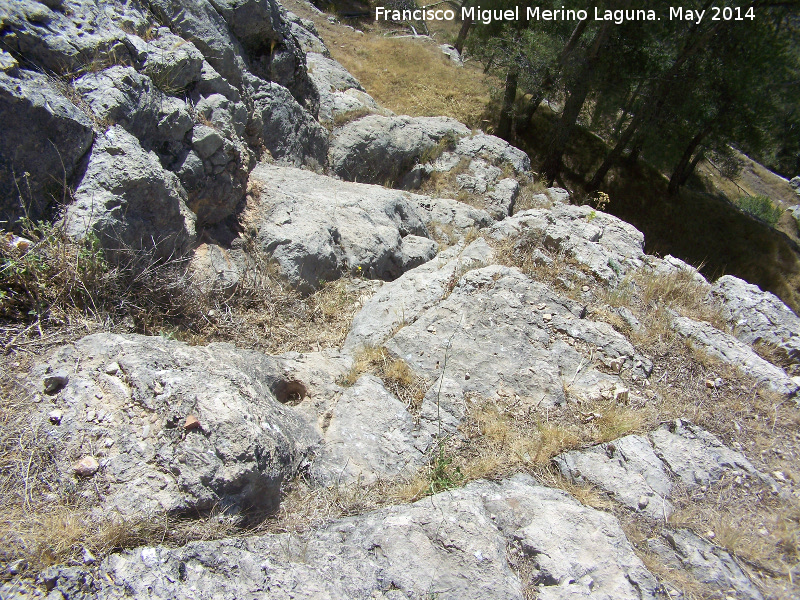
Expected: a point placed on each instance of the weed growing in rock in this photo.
(395, 373)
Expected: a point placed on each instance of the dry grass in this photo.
(406, 75)
(395, 373)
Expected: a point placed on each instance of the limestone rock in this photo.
(728, 349)
(402, 301)
(370, 435)
(316, 227)
(43, 137)
(758, 316)
(491, 327)
(248, 443)
(494, 150)
(608, 246)
(501, 200)
(709, 564)
(340, 93)
(637, 467)
(695, 456)
(213, 268)
(452, 545)
(129, 201)
(378, 149)
(288, 131)
(628, 469)
(121, 96)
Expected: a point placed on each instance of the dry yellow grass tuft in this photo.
(397, 376)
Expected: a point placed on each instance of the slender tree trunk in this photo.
(507, 111)
(627, 106)
(462, 33)
(681, 171)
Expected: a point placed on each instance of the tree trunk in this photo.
(681, 172)
(507, 111)
(462, 33)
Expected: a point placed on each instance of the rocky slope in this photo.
(178, 126)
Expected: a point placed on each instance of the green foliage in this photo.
(443, 476)
(761, 207)
(52, 270)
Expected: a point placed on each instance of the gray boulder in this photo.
(43, 137)
(707, 563)
(758, 316)
(401, 302)
(340, 93)
(171, 427)
(370, 435)
(123, 97)
(608, 246)
(130, 201)
(696, 456)
(68, 40)
(305, 33)
(494, 150)
(284, 128)
(452, 546)
(500, 201)
(198, 21)
(272, 53)
(639, 472)
(628, 469)
(505, 335)
(174, 64)
(378, 149)
(316, 227)
(728, 349)
(213, 268)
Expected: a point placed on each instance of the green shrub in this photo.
(761, 207)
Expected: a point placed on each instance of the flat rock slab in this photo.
(401, 301)
(608, 246)
(500, 333)
(317, 227)
(706, 562)
(640, 471)
(758, 316)
(728, 349)
(173, 427)
(449, 546)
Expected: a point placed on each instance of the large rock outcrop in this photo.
(318, 228)
(154, 425)
(455, 545)
(129, 201)
(43, 138)
(757, 316)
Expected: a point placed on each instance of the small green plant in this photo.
(443, 476)
(760, 207)
(591, 216)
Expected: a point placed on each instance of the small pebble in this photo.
(90, 415)
(53, 383)
(112, 369)
(643, 502)
(55, 416)
(86, 467)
